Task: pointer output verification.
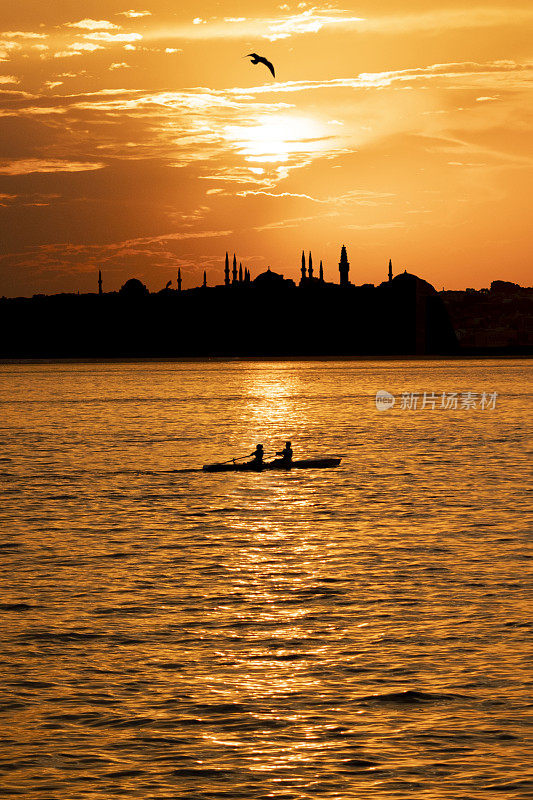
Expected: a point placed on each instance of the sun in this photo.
(276, 139)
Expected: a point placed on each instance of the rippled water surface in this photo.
(349, 633)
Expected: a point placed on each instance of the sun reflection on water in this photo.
(271, 405)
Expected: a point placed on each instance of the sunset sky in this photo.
(137, 140)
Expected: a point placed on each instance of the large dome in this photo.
(134, 288)
(404, 277)
(269, 277)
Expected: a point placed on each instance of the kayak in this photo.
(308, 463)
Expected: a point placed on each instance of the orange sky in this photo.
(137, 140)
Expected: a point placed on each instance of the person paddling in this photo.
(286, 455)
(258, 456)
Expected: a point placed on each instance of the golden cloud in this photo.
(104, 36)
(93, 24)
(134, 14)
(31, 165)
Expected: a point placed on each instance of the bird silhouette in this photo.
(261, 60)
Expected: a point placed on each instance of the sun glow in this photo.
(276, 139)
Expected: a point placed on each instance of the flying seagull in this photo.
(261, 60)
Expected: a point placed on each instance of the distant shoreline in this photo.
(265, 358)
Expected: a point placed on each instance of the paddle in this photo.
(237, 458)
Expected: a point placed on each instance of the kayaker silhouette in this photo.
(258, 456)
(286, 455)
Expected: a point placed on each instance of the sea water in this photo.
(348, 633)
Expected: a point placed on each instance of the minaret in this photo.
(310, 270)
(99, 281)
(179, 279)
(344, 267)
(303, 267)
(205, 279)
(226, 270)
(321, 272)
(240, 273)
(390, 269)
(234, 270)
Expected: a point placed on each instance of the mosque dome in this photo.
(405, 277)
(269, 277)
(134, 288)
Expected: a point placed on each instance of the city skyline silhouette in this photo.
(270, 315)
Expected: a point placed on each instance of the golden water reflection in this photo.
(348, 634)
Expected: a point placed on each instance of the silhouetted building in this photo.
(269, 315)
(504, 287)
(226, 270)
(308, 278)
(497, 318)
(390, 269)
(424, 326)
(270, 278)
(344, 267)
(99, 281)
(134, 288)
